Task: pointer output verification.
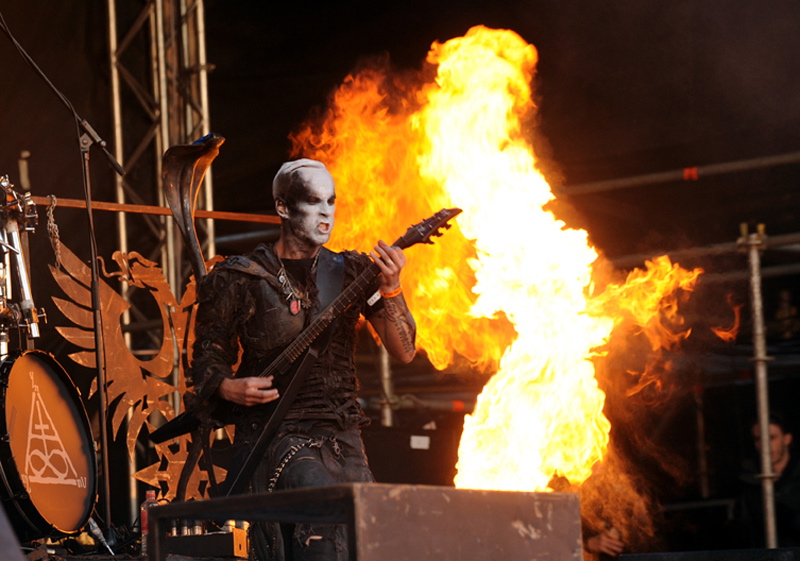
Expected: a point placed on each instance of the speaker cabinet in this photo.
(417, 457)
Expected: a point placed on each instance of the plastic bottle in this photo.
(149, 500)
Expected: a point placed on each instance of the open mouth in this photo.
(324, 227)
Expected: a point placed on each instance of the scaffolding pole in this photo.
(683, 174)
(159, 98)
(753, 244)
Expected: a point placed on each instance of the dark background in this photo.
(624, 88)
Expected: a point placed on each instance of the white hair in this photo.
(288, 176)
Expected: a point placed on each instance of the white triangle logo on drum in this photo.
(46, 459)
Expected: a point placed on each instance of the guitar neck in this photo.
(414, 235)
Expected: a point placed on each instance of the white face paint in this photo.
(310, 218)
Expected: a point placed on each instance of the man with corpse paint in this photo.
(260, 302)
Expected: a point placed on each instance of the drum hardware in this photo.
(97, 534)
(48, 466)
(16, 211)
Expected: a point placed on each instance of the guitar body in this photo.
(248, 455)
(184, 423)
(223, 412)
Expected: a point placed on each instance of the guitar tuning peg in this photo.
(448, 226)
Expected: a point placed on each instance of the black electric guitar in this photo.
(291, 366)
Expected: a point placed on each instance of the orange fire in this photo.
(510, 287)
(729, 334)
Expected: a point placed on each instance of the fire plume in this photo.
(509, 288)
(729, 334)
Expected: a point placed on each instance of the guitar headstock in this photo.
(428, 228)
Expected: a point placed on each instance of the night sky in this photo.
(623, 89)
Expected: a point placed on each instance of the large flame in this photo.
(511, 286)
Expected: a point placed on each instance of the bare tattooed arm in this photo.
(394, 323)
(398, 330)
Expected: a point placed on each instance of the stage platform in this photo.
(406, 522)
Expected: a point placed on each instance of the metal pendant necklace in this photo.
(296, 298)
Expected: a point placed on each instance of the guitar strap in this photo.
(330, 277)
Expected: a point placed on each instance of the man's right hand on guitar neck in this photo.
(248, 391)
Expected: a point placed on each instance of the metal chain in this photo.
(52, 230)
(273, 481)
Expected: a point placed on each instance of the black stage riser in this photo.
(409, 522)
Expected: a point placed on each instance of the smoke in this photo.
(617, 498)
(638, 372)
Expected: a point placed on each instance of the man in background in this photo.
(785, 465)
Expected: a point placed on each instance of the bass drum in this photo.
(47, 456)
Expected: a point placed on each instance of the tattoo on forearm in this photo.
(400, 317)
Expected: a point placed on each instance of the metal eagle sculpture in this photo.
(136, 388)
